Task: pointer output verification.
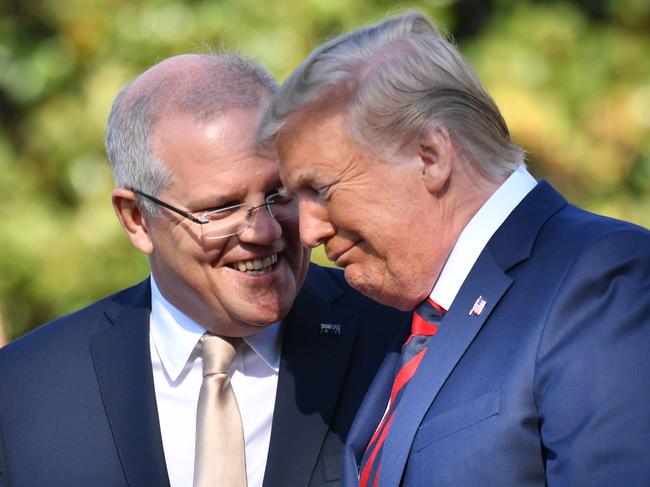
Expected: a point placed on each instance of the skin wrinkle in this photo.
(357, 220)
(351, 178)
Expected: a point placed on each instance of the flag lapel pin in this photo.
(479, 306)
(330, 329)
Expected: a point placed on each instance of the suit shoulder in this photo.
(575, 232)
(67, 332)
(588, 226)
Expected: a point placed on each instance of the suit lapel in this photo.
(312, 370)
(122, 361)
(456, 333)
(510, 245)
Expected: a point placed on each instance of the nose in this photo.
(263, 229)
(315, 226)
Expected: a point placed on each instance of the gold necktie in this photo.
(219, 458)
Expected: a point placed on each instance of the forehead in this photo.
(214, 156)
(312, 142)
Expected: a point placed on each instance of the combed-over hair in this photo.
(399, 78)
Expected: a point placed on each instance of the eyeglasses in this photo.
(235, 219)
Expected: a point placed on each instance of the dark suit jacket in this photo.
(549, 384)
(77, 401)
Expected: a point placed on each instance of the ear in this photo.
(132, 219)
(436, 153)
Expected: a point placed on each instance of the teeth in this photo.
(256, 264)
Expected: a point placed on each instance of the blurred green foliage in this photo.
(572, 78)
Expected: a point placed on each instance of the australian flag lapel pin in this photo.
(330, 329)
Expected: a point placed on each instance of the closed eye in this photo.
(223, 211)
(325, 191)
(280, 197)
(223, 206)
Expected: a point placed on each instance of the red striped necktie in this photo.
(425, 322)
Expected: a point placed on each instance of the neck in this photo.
(465, 194)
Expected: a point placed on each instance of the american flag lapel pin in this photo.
(479, 306)
(330, 329)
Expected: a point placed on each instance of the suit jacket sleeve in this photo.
(592, 380)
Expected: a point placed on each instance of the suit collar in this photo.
(514, 241)
(313, 368)
(121, 355)
(478, 231)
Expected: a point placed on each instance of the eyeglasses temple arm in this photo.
(169, 207)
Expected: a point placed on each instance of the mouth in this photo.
(256, 267)
(338, 257)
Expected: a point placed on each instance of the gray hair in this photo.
(202, 85)
(399, 78)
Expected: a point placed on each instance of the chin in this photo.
(255, 326)
(387, 296)
(372, 292)
(267, 315)
(397, 301)
(360, 283)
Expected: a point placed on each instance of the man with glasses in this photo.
(109, 395)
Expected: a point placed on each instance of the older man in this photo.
(115, 394)
(527, 363)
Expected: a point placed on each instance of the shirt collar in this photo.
(478, 232)
(175, 336)
(267, 344)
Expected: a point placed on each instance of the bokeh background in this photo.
(572, 79)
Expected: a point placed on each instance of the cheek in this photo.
(377, 224)
(208, 254)
(345, 209)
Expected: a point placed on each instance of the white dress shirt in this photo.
(478, 232)
(177, 374)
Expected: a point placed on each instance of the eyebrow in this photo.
(304, 178)
(216, 201)
(211, 202)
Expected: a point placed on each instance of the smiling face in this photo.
(376, 219)
(213, 164)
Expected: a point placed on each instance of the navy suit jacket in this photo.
(549, 384)
(78, 407)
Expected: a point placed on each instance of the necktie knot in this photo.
(426, 318)
(218, 353)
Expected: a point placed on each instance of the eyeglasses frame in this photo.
(189, 216)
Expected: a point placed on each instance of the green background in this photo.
(572, 79)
